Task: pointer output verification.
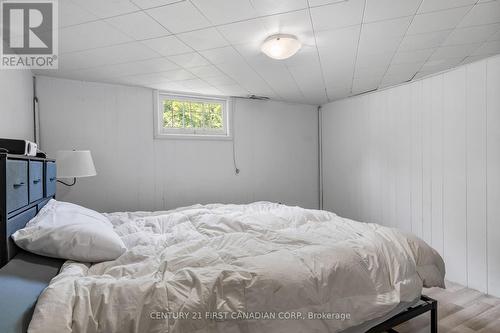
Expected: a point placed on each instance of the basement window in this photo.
(191, 117)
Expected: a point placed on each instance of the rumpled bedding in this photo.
(261, 267)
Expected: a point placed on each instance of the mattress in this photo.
(22, 280)
(261, 267)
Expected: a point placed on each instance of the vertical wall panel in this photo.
(376, 157)
(403, 155)
(454, 180)
(437, 162)
(426, 160)
(387, 179)
(449, 165)
(476, 176)
(493, 174)
(416, 158)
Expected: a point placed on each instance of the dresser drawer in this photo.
(36, 180)
(19, 221)
(50, 179)
(14, 224)
(17, 184)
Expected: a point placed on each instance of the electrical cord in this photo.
(236, 169)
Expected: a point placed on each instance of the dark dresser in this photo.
(26, 185)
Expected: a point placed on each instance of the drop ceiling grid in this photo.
(430, 56)
(288, 83)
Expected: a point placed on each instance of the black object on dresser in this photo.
(27, 183)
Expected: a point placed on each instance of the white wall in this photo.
(276, 150)
(16, 104)
(424, 157)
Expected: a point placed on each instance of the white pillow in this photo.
(68, 231)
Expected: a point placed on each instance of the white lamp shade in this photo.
(281, 46)
(75, 164)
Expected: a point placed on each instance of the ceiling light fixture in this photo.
(280, 46)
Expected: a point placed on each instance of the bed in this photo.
(261, 267)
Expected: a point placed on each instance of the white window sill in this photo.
(193, 137)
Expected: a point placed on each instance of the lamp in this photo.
(281, 46)
(74, 164)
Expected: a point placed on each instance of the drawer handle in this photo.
(16, 185)
(52, 179)
(36, 181)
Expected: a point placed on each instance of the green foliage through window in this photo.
(192, 114)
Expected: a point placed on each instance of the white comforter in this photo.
(252, 268)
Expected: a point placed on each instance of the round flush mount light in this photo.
(280, 46)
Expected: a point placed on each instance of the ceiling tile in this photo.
(167, 86)
(246, 77)
(89, 35)
(143, 66)
(364, 85)
(343, 40)
(222, 55)
(138, 26)
(393, 80)
(194, 84)
(266, 7)
(178, 75)
(495, 36)
(133, 68)
(435, 21)
(244, 32)
(370, 71)
(403, 71)
(336, 93)
(254, 56)
(306, 56)
(203, 39)
(179, 17)
(204, 72)
(166, 46)
(220, 80)
(424, 41)
(232, 90)
(374, 60)
(122, 53)
(393, 27)
(315, 3)
(435, 5)
(145, 4)
(377, 10)
(337, 15)
(279, 78)
(489, 48)
(455, 51)
(108, 8)
(470, 59)
(297, 23)
(482, 13)
(226, 11)
(383, 36)
(389, 45)
(159, 77)
(72, 14)
(109, 55)
(403, 57)
(434, 66)
(143, 79)
(188, 60)
(474, 34)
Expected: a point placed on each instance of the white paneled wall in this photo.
(276, 147)
(424, 157)
(16, 104)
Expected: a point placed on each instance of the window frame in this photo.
(161, 132)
